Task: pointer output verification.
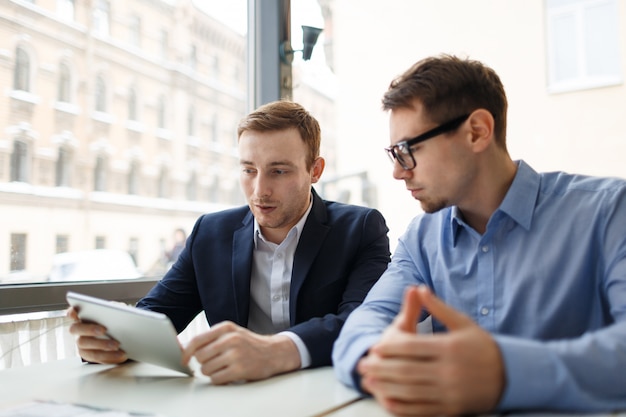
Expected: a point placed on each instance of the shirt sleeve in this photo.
(305, 356)
(573, 374)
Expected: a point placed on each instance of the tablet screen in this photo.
(145, 336)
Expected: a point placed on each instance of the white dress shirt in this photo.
(270, 285)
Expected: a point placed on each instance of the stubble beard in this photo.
(433, 206)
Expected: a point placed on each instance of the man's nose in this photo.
(262, 188)
(400, 173)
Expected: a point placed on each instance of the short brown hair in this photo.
(448, 87)
(282, 115)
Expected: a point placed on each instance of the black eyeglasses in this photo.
(401, 151)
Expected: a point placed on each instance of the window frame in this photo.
(578, 10)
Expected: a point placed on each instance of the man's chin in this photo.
(432, 207)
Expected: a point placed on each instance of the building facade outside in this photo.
(117, 125)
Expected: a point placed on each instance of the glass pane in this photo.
(102, 186)
(564, 47)
(601, 40)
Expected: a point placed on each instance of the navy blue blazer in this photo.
(342, 251)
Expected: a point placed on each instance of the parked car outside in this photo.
(93, 265)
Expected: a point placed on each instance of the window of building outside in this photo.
(17, 254)
(65, 9)
(583, 44)
(19, 161)
(135, 31)
(133, 178)
(116, 165)
(100, 242)
(100, 94)
(63, 167)
(21, 75)
(132, 105)
(64, 86)
(99, 174)
(161, 108)
(101, 18)
(62, 243)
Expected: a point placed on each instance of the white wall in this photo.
(376, 40)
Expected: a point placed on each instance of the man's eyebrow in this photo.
(271, 164)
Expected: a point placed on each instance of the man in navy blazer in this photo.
(276, 279)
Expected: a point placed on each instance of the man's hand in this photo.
(451, 373)
(229, 353)
(93, 344)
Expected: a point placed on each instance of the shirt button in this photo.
(484, 311)
(485, 249)
(276, 298)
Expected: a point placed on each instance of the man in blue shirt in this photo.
(522, 273)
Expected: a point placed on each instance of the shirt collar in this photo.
(298, 226)
(519, 202)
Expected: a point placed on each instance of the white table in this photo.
(136, 387)
(143, 388)
(367, 407)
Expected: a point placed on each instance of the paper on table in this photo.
(54, 409)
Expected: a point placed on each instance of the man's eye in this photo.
(279, 171)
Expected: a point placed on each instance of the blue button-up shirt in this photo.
(547, 279)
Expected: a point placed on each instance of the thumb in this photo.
(448, 316)
(409, 314)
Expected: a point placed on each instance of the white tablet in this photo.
(145, 336)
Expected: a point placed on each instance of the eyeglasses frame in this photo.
(406, 144)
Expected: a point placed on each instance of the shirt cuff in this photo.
(305, 356)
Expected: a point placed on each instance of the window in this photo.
(135, 31)
(20, 164)
(191, 123)
(214, 65)
(133, 178)
(161, 112)
(63, 167)
(583, 44)
(65, 9)
(133, 249)
(101, 18)
(18, 252)
(162, 185)
(164, 43)
(192, 187)
(64, 84)
(100, 242)
(62, 243)
(100, 94)
(214, 129)
(21, 75)
(132, 104)
(193, 57)
(100, 173)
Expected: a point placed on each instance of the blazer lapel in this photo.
(243, 244)
(313, 235)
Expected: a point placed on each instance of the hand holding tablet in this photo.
(145, 336)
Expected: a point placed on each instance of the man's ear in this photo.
(317, 169)
(482, 124)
